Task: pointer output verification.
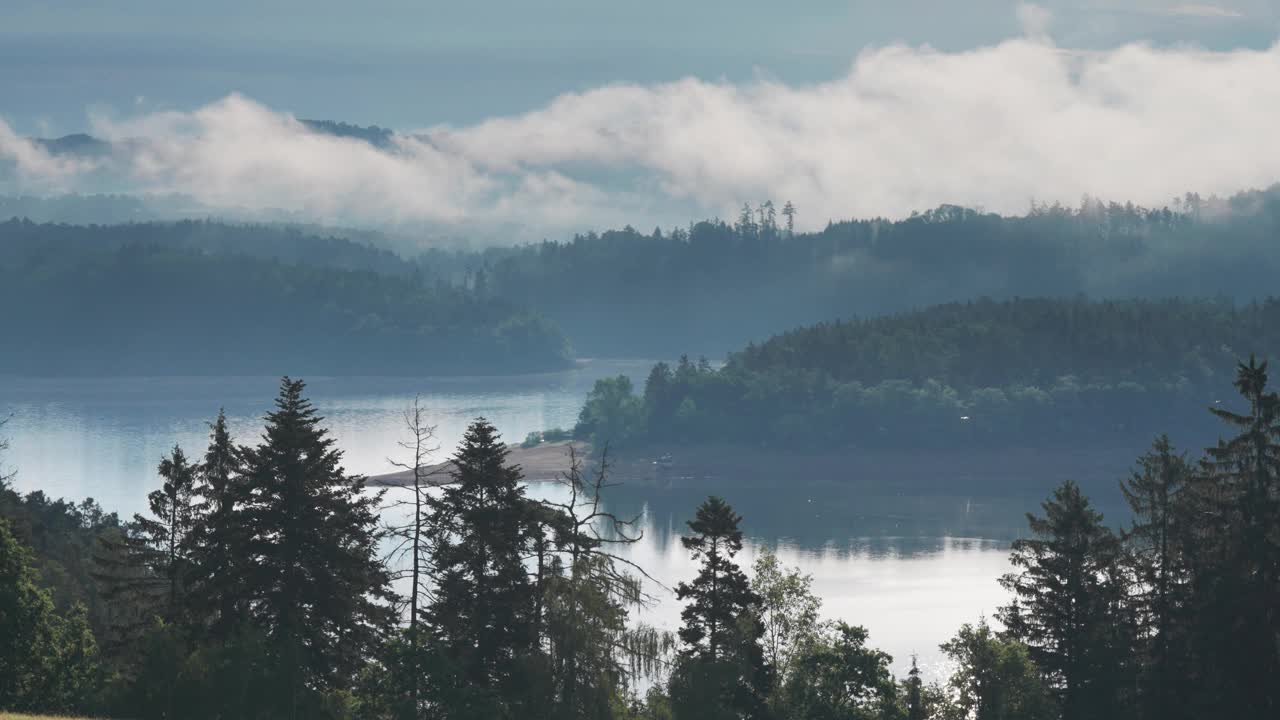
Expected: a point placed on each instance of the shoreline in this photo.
(730, 466)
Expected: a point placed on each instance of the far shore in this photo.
(545, 462)
(718, 466)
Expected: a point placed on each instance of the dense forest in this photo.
(714, 285)
(260, 585)
(199, 298)
(717, 285)
(1033, 372)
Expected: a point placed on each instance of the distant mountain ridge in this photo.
(85, 145)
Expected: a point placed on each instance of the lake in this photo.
(910, 566)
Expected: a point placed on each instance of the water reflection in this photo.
(102, 437)
(909, 565)
(911, 590)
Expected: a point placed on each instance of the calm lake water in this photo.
(909, 567)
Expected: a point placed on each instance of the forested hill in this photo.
(716, 285)
(986, 343)
(20, 238)
(212, 300)
(1031, 372)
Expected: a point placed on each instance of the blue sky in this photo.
(410, 64)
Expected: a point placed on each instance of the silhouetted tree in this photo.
(1068, 595)
(1239, 544)
(310, 574)
(1156, 496)
(214, 595)
(480, 621)
(721, 671)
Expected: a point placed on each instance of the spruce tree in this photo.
(480, 622)
(1066, 610)
(169, 531)
(142, 570)
(914, 687)
(721, 671)
(1157, 496)
(1236, 545)
(310, 570)
(214, 597)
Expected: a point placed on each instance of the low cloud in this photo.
(35, 167)
(904, 129)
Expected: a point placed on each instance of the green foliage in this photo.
(168, 534)
(1023, 372)
(838, 677)
(722, 668)
(253, 590)
(915, 706)
(554, 435)
(789, 613)
(214, 597)
(1160, 495)
(1069, 606)
(481, 617)
(310, 575)
(48, 661)
(993, 679)
(587, 590)
(1229, 546)
(611, 415)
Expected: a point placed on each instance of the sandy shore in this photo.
(541, 463)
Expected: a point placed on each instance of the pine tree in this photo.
(789, 212)
(214, 597)
(310, 572)
(1067, 598)
(1236, 546)
(143, 570)
(169, 531)
(840, 676)
(914, 692)
(722, 668)
(481, 622)
(1156, 494)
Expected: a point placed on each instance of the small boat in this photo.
(664, 462)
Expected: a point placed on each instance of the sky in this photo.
(411, 63)
(568, 114)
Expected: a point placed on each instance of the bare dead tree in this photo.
(590, 538)
(420, 444)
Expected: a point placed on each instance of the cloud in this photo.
(906, 128)
(37, 168)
